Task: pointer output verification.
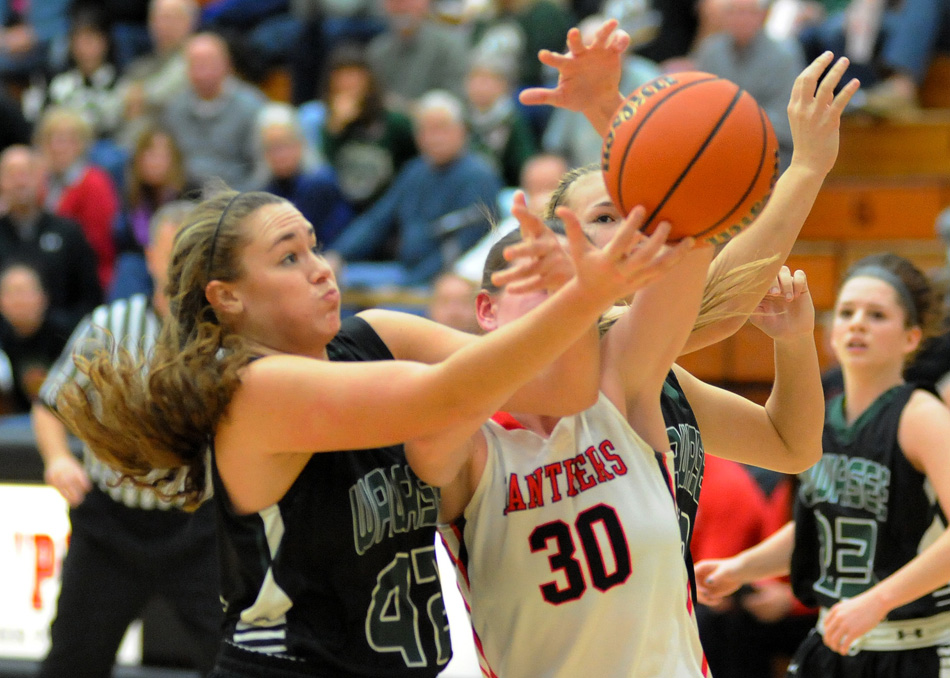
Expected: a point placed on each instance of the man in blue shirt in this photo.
(439, 205)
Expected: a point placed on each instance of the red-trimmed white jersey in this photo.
(569, 555)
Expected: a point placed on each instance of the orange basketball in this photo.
(695, 150)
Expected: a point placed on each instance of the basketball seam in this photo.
(712, 134)
(629, 144)
(755, 177)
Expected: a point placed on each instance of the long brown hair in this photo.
(138, 191)
(720, 289)
(149, 417)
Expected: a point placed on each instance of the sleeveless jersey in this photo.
(568, 555)
(863, 511)
(689, 461)
(338, 578)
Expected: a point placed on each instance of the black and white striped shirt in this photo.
(127, 323)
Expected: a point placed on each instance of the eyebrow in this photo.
(290, 235)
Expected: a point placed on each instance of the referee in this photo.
(128, 544)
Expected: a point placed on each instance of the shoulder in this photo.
(924, 428)
(358, 340)
(922, 408)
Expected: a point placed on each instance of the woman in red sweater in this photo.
(75, 188)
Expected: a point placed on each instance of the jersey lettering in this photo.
(383, 504)
(850, 482)
(688, 458)
(568, 477)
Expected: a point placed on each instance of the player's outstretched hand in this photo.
(787, 309)
(540, 261)
(814, 113)
(628, 262)
(588, 75)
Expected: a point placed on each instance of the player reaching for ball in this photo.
(740, 275)
(564, 531)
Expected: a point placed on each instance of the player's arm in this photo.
(718, 578)
(640, 347)
(568, 386)
(922, 434)
(785, 434)
(814, 114)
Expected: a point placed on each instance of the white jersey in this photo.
(569, 555)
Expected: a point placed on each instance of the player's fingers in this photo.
(619, 42)
(575, 43)
(604, 32)
(844, 96)
(799, 283)
(537, 96)
(807, 80)
(626, 235)
(826, 88)
(511, 273)
(526, 286)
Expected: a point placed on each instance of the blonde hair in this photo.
(721, 289)
(57, 117)
(142, 413)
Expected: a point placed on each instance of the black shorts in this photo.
(814, 659)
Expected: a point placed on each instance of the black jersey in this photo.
(688, 454)
(862, 512)
(689, 461)
(339, 578)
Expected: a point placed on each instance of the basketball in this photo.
(695, 150)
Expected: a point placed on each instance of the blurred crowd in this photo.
(393, 125)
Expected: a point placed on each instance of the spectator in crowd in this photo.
(54, 246)
(415, 54)
(520, 29)
(265, 31)
(90, 88)
(366, 141)
(498, 128)
(75, 188)
(128, 543)
(677, 32)
(89, 85)
(326, 26)
(153, 79)
(568, 132)
(453, 302)
(293, 173)
(438, 206)
(741, 51)
(29, 337)
(890, 45)
(32, 37)
(156, 176)
(127, 27)
(213, 120)
(14, 128)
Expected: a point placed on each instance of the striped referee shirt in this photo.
(127, 323)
